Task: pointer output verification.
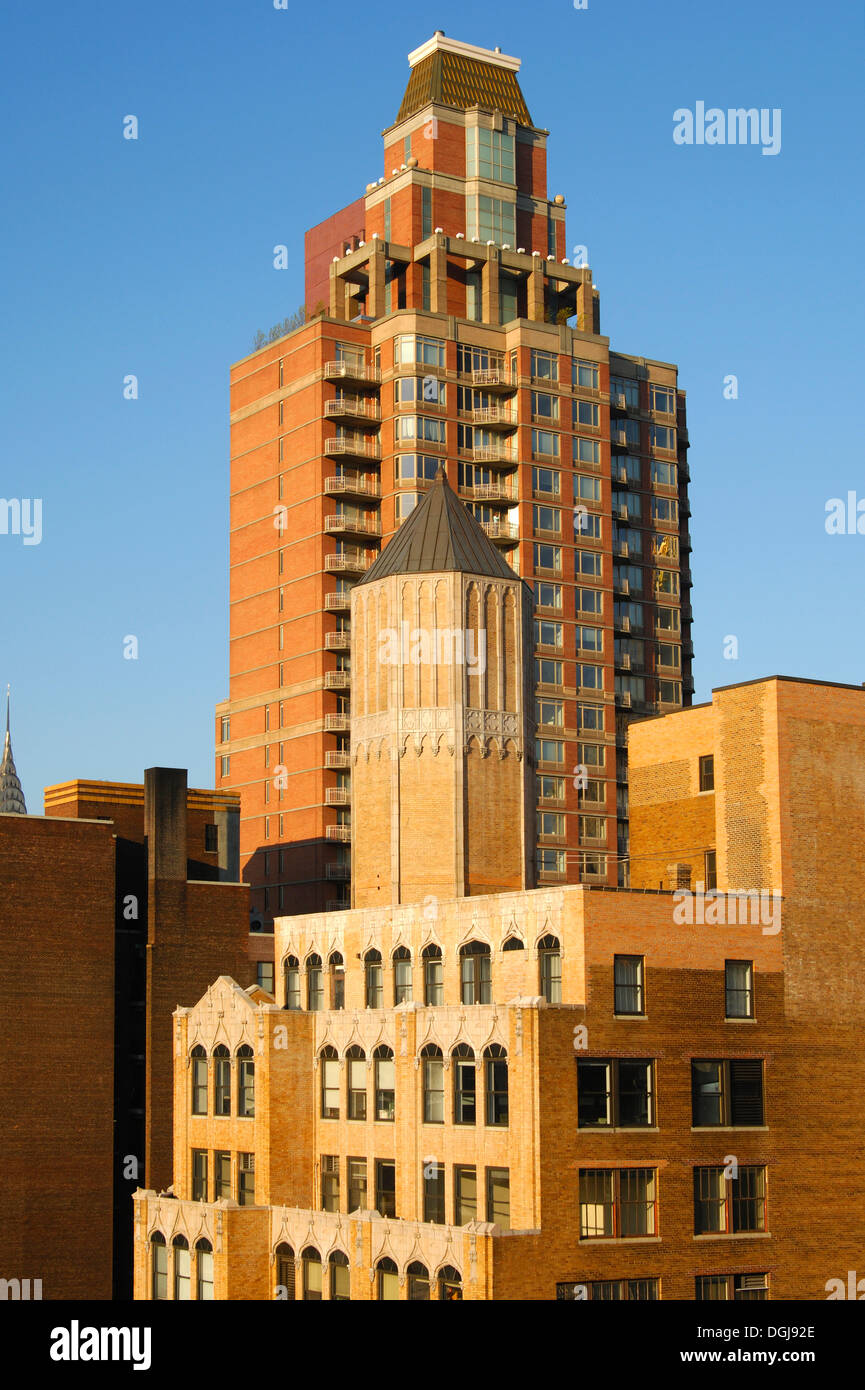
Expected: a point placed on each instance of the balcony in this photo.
(493, 492)
(354, 560)
(621, 550)
(354, 446)
(353, 408)
(494, 415)
(337, 641)
(337, 723)
(339, 872)
(337, 796)
(337, 603)
(342, 833)
(337, 680)
(366, 525)
(337, 759)
(357, 484)
(506, 532)
(493, 453)
(337, 905)
(493, 376)
(352, 371)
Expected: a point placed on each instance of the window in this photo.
(418, 1282)
(158, 1266)
(546, 518)
(409, 467)
(550, 962)
(628, 985)
(624, 393)
(401, 975)
(433, 1085)
(615, 1093)
(356, 1083)
(489, 155)
(264, 975)
(710, 869)
(551, 713)
(663, 437)
(204, 1271)
(549, 672)
(422, 427)
(245, 1082)
(549, 750)
(221, 1175)
(225, 728)
(610, 1290)
(337, 980)
(465, 1081)
(330, 1182)
(745, 1288)
(584, 374)
(475, 973)
(725, 1205)
(434, 1192)
(545, 366)
(707, 773)
(590, 718)
(551, 824)
(329, 1084)
(592, 828)
(490, 219)
(727, 1092)
(199, 1175)
(357, 1184)
(211, 839)
(224, 765)
(663, 400)
(547, 557)
(384, 1083)
(665, 474)
(222, 1087)
(285, 1271)
(426, 212)
(739, 988)
(551, 861)
(665, 509)
(292, 983)
(548, 634)
(496, 1079)
(617, 1202)
(450, 1287)
(587, 451)
(374, 980)
(547, 481)
(409, 347)
(418, 388)
(340, 1277)
(311, 1266)
(590, 639)
(548, 595)
(544, 406)
(465, 1195)
(590, 677)
(499, 1197)
(385, 1187)
(387, 1281)
(432, 975)
(246, 1180)
(588, 524)
(586, 413)
(550, 789)
(545, 444)
(198, 1059)
(587, 563)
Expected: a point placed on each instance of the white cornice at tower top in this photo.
(440, 43)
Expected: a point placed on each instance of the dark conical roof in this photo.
(463, 81)
(11, 794)
(440, 534)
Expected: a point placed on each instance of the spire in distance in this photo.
(11, 795)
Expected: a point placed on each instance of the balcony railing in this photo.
(352, 371)
(355, 445)
(337, 680)
(357, 560)
(358, 525)
(506, 531)
(337, 603)
(337, 723)
(493, 492)
(494, 415)
(356, 483)
(340, 872)
(337, 641)
(337, 759)
(493, 376)
(337, 796)
(342, 833)
(493, 453)
(354, 407)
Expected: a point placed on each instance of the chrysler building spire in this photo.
(11, 795)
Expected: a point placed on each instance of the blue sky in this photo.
(154, 257)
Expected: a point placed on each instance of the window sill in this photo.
(734, 1235)
(730, 1019)
(715, 1129)
(619, 1129)
(633, 1018)
(619, 1240)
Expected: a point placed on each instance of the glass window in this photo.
(374, 980)
(311, 1265)
(432, 975)
(433, 1085)
(615, 1092)
(330, 1182)
(384, 1084)
(546, 518)
(628, 981)
(490, 219)
(499, 1197)
(340, 1277)
(337, 981)
(222, 1081)
(356, 1083)
(409, 347)
(329, 1084)
(198, 1059)
(548, 557)
(222, 1175)
(588, 564)
(707, 773)
(550, 962)
(204, 1271)
(584, 374)
(475, 973)
(464, 1074)
(545, 366)
(548, 595)
(739, 992)
(586, 413)
(418, 1282)
(199, 1175)
(545, 444)
(292, 983)
(617, 1202)
(548, 672)
(246, 1180)
(490, 155)
(402, 975)
(465, 1195)
(587, 450)
(158, 1266)
(387, 1281)
(245, 1082)
(496, 1080)
(434, 1192)
(385, 1187)
(545, 406)
(357, 1184)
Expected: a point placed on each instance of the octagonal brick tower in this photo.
(441, 723)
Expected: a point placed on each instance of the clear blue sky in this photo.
(155, 258)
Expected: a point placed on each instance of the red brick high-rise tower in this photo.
(447, 324)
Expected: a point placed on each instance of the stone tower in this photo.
(441, 723)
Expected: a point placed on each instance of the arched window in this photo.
(550, 961)
(340, 1277)
(418, 1282)
(285, 1273)
(336, 965)
(329, 1083)
(513, 943)
(198, 1058)
(181, 1269)
(204, 1271)
(401, 975)
(384, 1083)
(292, 982)
(222, 1081)
(388, 1280)
(356, 1083)
(475, 973)
(245, 1081)
(314, 984)
(158, 1266)
(465, 1081)
(433, 983)
(374, 980)
(311, 1262)
(496, 1069)
(450, 1284)
(433, 1085)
